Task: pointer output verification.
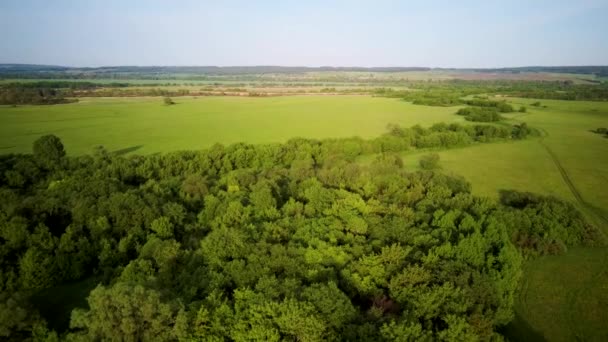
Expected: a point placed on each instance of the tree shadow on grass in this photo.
(126, 150)
(520, 330)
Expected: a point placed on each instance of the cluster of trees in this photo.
(267, 242)
(480, 114)
(127, 92)
(28, 95)
(440, 135)
(484, 110)
(428, 96)
(56, 84)
(499, 106)
(560, 91)
(452, 93)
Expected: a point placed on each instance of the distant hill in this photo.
(586, 70)
(212, 70)
(51, 71)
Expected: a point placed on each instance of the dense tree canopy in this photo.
(292, 241)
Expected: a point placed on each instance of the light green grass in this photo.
(522, 165)
(564, 298)
(583, 154)
(119, 123)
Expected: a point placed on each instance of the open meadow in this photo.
(146, 125)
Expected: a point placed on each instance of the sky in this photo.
(456, 34)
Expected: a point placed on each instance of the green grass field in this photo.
(563, 298)
(123, 123)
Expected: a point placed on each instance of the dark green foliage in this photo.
(522, 130)
(601, 130)
(271, 242)
(545, 225)
(429, 161)
(168, 101)
(48, 150)
(450, 93)
(522, 109)
(28, 95)
(480, 114)
(19, 321)
(499, 106)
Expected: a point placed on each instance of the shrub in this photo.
(480, 114)
(429, 161)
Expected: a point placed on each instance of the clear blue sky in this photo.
(304, 32)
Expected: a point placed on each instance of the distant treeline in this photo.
(437, 93)
(585, 70)
(451, 93)
(34, 96)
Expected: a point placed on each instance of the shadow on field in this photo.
(126, 150)
(520, 330)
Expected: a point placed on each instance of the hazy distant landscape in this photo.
(170, 173)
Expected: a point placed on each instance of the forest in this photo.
(293, 241)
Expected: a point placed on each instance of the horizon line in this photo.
(301, 66)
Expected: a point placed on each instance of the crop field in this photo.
(146, 125)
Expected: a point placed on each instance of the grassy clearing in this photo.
(583, 154)
(563, 298)
(522, 165)
(124, 123)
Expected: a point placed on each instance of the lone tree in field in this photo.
(169, 101)
(429, 161)
(48, 150)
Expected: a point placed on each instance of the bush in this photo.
(601, 130)
(429, 161)
(480, 114)
(168, 101)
